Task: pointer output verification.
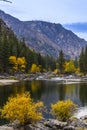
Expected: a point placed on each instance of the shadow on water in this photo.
(47, 91)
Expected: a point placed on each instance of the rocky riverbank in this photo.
(29, 77)
(24, 76)
(37, 76)
(50, 124)
(6, 79)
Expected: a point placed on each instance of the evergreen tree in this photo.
(29, 59)
(47, 62)
(61, 61)
(85, 59)
(39, 59)
(1, 57)
(5, 53)
(76, 62)
(11, 46)
(81, 62)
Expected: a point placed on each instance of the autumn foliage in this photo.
(13, 63)
(17, 64)
(35, 68)
(63, 110)
(69, 67)
(22, 108)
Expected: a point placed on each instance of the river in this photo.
(47, 91)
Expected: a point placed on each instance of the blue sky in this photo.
(56, 11)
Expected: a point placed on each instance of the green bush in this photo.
(63, 110)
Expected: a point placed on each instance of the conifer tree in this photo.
(76, 62)
(11, 46)
(81, 62)
(5, 53)
(85, 59)
(1, 58)
(61, 61)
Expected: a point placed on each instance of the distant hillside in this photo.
(11, 46)
(44, 37)
(4, 30)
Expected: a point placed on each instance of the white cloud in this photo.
(63, 11)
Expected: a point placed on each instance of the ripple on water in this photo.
(82, 111)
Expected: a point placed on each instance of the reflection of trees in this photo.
(19, 88)
(72, 90)
(5, 92)
(11, 90)
(47, 91)
(37, 89)
(61, 91)
(68, 91)
(83, 94)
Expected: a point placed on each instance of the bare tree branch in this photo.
(6, 1)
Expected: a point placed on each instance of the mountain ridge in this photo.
(44, 37)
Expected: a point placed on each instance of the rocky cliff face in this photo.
(44, 37)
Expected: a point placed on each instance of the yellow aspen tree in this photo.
(21, 62)
(39, 67)
(33, 68)
(69, 66)
(13, 63)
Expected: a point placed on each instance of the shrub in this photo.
(22, 108)
(63, 110)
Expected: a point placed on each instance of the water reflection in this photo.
(83, 94)
(47, 91)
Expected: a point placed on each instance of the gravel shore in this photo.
(7, 81)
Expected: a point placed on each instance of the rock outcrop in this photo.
(50, 124)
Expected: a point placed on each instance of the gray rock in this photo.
(84, 117)
(6, 128)
(77, 123)
(69, 128)
(51, 123)
(38, 126)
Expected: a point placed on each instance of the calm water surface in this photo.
(47, 91)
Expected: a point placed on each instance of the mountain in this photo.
(7, 40)
(4, 30)
(44, 37)
(11, 47)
